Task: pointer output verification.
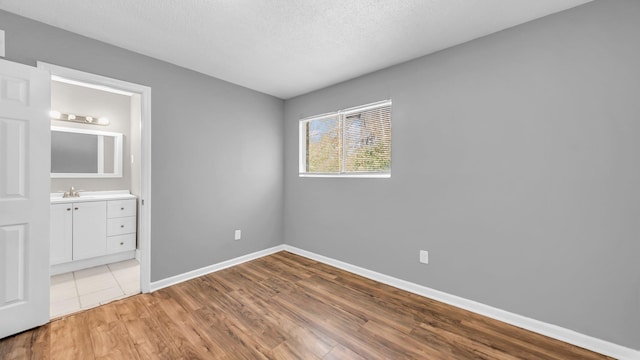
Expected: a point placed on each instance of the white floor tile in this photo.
(100, 297)
(93, 283)
(126, 274)
(63, 291)
(64, 307)
(126, 277)
(62, 278)
(131, 287)
(127, 264)
(96, 270)
(87, 288)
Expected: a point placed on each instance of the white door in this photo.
(24, 197)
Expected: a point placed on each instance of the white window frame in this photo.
(302, 146)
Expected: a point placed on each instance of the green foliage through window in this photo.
(348, 142)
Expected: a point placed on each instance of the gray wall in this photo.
(79, 100)
(515, 164)
(216, 148)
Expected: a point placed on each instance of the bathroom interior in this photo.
(95, 192)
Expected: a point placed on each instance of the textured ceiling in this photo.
(285, 47)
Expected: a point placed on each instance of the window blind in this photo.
(324, 145)
(353, 141)
(367, 141)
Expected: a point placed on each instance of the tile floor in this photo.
(87, 288)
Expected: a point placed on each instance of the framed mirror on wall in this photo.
(80, 153)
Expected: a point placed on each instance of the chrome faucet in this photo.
(71, 193)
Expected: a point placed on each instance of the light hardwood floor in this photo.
(282, 306)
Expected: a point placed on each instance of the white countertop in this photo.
(92, 196)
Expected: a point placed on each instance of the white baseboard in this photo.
(157, 285)
(552, 331)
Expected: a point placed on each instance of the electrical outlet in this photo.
(238, 234)
(424, 256)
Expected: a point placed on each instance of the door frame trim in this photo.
(145, 164)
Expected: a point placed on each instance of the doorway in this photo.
(113, 272)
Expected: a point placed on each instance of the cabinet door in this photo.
(61, 228)
(89, 229)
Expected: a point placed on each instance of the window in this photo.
(350, 143)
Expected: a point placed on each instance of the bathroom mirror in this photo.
(80, 153)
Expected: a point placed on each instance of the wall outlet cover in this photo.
(238, 234)
(424, 256)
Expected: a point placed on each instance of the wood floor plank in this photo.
(318, 268)
(255, 322)
(191, 335)
(460, 346)
(150, 341)
(172, 327)
(285, 351)
(343, 332)
(133, 309)
(282, 306)
(185, 295)
(103, 315)
(226, 335)
(303, 338)
(112, 341)
(340, 352)
(400, 342)
(33, 345)
(40, 343)
(226, 338)
(70, 338)
(356, 303)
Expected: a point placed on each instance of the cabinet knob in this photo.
(68, 209)
(121, 243)
(121, 208)
(76, 208)
(121, 226)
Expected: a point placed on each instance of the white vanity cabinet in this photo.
(89, 232)
(78, 231)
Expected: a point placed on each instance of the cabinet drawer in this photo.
(121, 243)
(121, 208)
(119, 226)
